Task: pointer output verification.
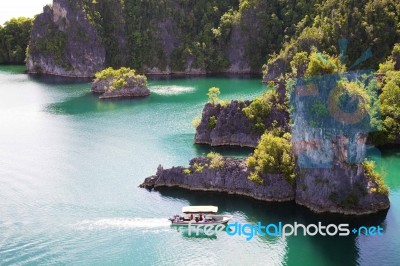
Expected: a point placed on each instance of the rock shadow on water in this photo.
(254, 210)
(13, 69)
(335, 250)
(58, 80)
(90, 103)
(227, 151)
(184, 142)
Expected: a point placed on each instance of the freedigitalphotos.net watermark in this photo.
(249, 231)
(338, 106)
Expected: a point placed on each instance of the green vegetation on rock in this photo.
(198, 168)
(188, 25)
(196, 122)
(389, 99)
(217, 160)
(213, 95)
(366, 24)
(224, 35)
(314, 64)
(322, 64)
(14, 39)
(381, 187)
(273, 155)
(119, 78)
(261, 107)
(212, 123)
(52, 44)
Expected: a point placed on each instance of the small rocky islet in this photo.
(120, 83)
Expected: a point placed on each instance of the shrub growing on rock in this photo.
(212, 123)
(217, 161)
(389, 101)
(260, 108)
(123, 82)
(119, 78)
(322, 64)
(213, 95)
(273, 155)
(381, 188)
(198, 168)
(196, 122)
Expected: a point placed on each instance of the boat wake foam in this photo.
(171, 90)
(123, 223)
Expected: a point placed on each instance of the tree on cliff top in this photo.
(213, 95)
(390, 100)
(14, 39)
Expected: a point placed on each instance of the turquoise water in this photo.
(70, 166)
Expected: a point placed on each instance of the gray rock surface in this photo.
(64, 43)
(136, 87)
(331, 177)
(233, 127)
(232, 179)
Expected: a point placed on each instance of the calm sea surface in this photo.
(70, 166)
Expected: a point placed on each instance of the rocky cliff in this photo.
(344, 190)
(64, 43)
(232, 178)
(228, 125)
(332, 174)
(330, 143)
(231, 128)
(77, 38)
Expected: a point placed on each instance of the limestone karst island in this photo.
(208, 132)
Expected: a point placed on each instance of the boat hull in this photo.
(218, 219)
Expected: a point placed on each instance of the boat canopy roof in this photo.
(200, 209)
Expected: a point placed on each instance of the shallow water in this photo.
(70, 166)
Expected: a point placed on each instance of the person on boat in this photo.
(201, 218)
(191, 217)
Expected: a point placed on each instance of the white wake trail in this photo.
(123, 223)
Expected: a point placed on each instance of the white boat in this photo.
(200, 215)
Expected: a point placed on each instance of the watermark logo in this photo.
(340, 107)
(249, 231)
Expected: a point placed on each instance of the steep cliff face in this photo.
(63, 42)
(228, 125)
(333, 174)
(76, 38)
(236, 52)
(232, 126)
(232, 178)
(343, 188)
